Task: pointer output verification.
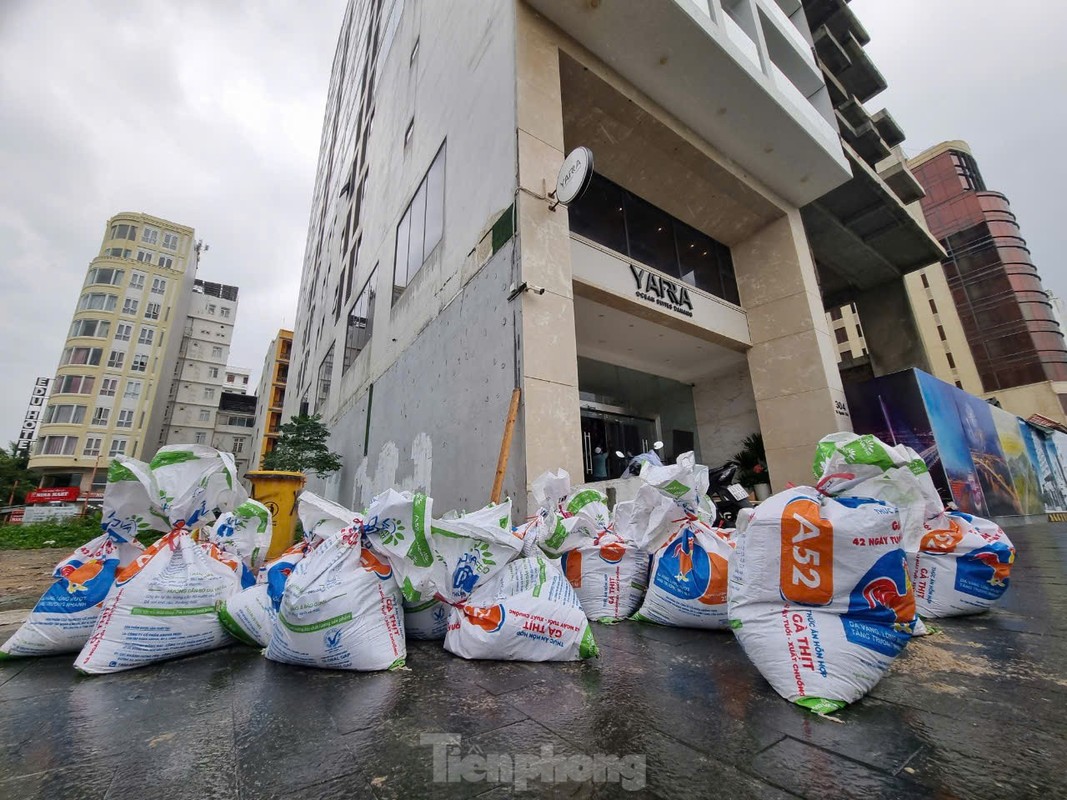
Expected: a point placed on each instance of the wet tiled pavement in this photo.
(977, 710)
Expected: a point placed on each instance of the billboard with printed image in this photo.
(986, 460)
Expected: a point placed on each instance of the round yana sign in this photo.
(574, 175)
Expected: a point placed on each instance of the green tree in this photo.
(302, 447)
(15, 477)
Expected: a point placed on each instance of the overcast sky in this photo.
(208, 113)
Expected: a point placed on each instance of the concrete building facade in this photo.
(237, 379)
(199, 372)
(271, 395)
(109, 393)
(678, 299)
(235, 419)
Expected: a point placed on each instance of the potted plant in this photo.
(752, 458)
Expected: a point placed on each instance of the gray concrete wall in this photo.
(437, 414)
(726, 414)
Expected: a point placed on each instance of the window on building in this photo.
(150, 235)
(941, 333)
(118, 448)
(213, 372)
(200, 437)
(133, 390)
(123, 331)
(81, 355)
(205, 415)
(325, 377)
(224, 312)
(129, 306)
(125, 418)
(159, 286)
(116, 359)
(211, 308)
(216, 352)
(94, 328)
(951, 361)
(73, 384)
(146, 336)
(238, 445)
(967, 171)
(108, 387)
(933, 305)
(841, 334)
(101, 415)
(165, 261)
(925, 280)
(57, 445)
(144, 256)
(104, 276)
(92, 446)
(124, 232)
(95, 301)
(620, 220)
(241, 422)
(859, 330)
(360, 322)
(170, 241)
(137, 280)
(64, 415)
(117, 252)
(422, 225)
(209, 393)
(835, 313)
(139, 363)
(151, 310)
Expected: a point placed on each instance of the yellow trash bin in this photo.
(278, 492)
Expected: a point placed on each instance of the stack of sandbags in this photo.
(162, 604)
(690, 557)
(607, 569)
(959, 564)
(500, 606)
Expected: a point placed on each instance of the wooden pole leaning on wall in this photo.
(505, 447)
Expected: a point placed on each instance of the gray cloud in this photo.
(206, 113)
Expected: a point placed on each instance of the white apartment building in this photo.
(199, 371)
(237, 379)
(677, 299)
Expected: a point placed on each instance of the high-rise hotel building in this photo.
(121, 347)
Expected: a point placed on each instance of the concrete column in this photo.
(890, 330)
(552, 424)
(793, 362)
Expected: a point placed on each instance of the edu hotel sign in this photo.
(33, 414)
(56, 494)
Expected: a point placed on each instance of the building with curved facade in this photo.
(1007, 316)
(121, 348)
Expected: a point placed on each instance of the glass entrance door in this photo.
(611, 432)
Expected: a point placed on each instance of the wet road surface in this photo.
(978, 710)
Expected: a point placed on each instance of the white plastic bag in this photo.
(608, 574)
(341, 606)
(819, 595)
(162, 605)
(66, 614)
(687, 587)
(962, 565)
(528, 612)
(864, 466)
